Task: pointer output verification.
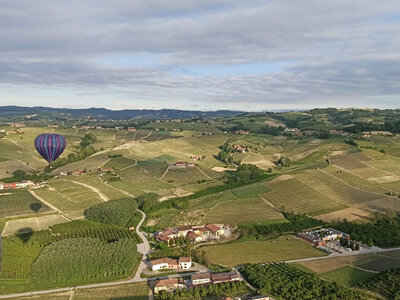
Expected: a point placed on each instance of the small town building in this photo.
(201, 279)
(214, 229)
(168, 285)
(164, 263)
(185, 263)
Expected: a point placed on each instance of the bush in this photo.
(117, 212)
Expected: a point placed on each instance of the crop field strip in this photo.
(280, 249)
(335, 189)
(68, 197)
(20, 202)
(97, 183)
(300, 198)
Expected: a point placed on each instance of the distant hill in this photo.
(102, 113)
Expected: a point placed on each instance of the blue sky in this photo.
(207, 55)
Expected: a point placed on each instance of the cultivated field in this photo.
(348, 276)
(20, 202)
(294, 195)
(281, 249)
(69, 197)
(32, 224)
(369, 262)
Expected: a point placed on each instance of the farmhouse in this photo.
(213, 278)
(194, 233)
(168, 285)
(239, 148)
(131, 129)
(181, 165)
(214, 229)
(17, 125)
(366, 135)
(242, 131)
(169, 263)
(16, 185)
(201, 279)
(107, 170)
(321, 236)
(196, 157)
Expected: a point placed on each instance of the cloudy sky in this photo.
(207, 55)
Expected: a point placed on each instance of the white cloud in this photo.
(179, 53)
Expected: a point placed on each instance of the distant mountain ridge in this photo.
(103, 113)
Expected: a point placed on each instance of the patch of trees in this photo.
(386, 284)
(222, 289)
(383, 232)
(389, 125)
(117, 212)
(247, 173)
(287, 282)
(20, 175)
(73, 260)
(147, 200)
(87, 140)
(296, 223)
(284, 162)
(225, 154)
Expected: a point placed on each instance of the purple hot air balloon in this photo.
(50, 146)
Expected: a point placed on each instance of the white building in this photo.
(185, 262)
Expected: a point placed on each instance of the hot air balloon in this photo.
(50, 146)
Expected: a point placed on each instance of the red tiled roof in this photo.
(184, 228)
(192, 235)
(166, 282)
(201, 276)
(213, 228)
(167, 260)
(185, 260)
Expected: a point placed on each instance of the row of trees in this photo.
(222, 289)
(20, 175)
(73, 260)
(383, 232)
(289, 282)
(385, 283)
(117, 212)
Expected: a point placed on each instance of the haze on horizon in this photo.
(200, 55)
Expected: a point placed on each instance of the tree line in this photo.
(223, 289)
(287, 282)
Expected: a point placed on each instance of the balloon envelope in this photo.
(50, 146)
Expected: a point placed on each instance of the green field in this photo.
(281, 249)
(20, 202)
(69, 197)
(348, 276)
(294, 195)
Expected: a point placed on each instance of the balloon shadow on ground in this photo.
(35, 206)
(24, 234)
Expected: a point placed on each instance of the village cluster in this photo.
(194, 234)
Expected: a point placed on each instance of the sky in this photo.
(200, 55)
